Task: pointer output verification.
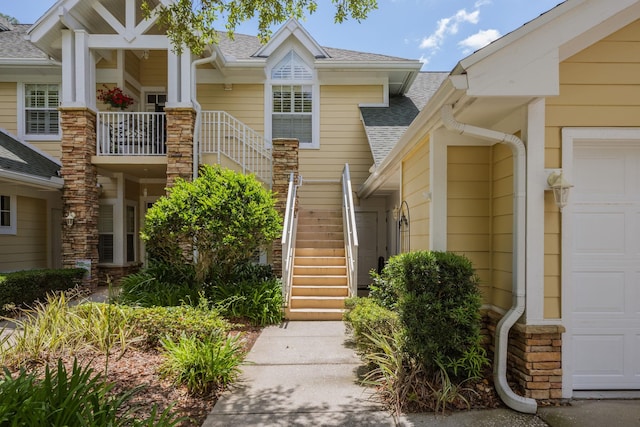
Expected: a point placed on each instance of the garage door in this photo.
(606, 266)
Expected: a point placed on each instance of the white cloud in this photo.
(449, 26)
(480, 3)
(478, 40)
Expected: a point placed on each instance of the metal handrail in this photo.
(350, 231)
(223, 134)
(288, 237)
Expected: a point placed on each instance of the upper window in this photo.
(293, 103)
(7, 214)
(41, 109)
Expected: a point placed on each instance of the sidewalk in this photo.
(302, 374)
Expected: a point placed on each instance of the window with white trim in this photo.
(8, 217)
(292, 106)
(105, 234)
(41, 103)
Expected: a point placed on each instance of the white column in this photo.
(68, 69)
(82, 64)
(438, 179)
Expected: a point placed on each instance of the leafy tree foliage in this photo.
(190, 23)
(224, 216)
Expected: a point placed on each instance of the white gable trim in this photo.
(292, 28)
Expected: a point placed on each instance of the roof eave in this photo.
(52, 183)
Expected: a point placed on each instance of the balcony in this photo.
(131, 134)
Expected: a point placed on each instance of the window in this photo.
(131, 234)
(41, 109)
(7, 214)
(292, 113)
(292, 100)
(105, 234)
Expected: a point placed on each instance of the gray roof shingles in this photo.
(13, 44)
(18, 157)
(386, 125)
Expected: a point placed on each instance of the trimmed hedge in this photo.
(22, 288)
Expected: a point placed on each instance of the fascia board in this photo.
(52, 183)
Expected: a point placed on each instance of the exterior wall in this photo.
(469, 209)
(27, 249)
(153, 71)
(501, 225)
(245, 102)
(342, 140)
(8, 111)
(415, 184)
(599, 87)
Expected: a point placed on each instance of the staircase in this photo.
(319, 285)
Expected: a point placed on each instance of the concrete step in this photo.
(315, 302)
(319, 280)
(313, 314)
(318, 261)
(319, 270)
(335, 244)
(319, 252)
(320, 291)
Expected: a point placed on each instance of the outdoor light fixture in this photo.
(395, 213)
(69, 218)
(145, 54)
(560, 187)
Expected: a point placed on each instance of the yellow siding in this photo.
(244, 102)
(103, 63)
(131, 190)
(8, 107)
(415, 184)
(153, 71)
(132, 64)
(468, 209)
(342, 140)
(502, 225)
(599, 87)
(28, 248)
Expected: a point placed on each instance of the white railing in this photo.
(224, 135)
(288, 238)
(350, 231)
(125, 133)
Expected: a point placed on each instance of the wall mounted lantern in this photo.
(560, 187)
(70, 218)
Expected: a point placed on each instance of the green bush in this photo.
(203, 365)
(258, 300)
(365, 315)
(438, 304)
(146, 289)
(223, 216)
(22, 288)
(76, 398)
(154, 323)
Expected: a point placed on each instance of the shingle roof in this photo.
(386, 125)
(14, 45)
(245, 47)
(18, 157)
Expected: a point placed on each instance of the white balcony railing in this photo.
(131, 134)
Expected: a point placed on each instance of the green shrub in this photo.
(223, 216)
(76, 398)
(258, 300)
(203, 365)
(438, 305)
(365, 315)
(384, 291)
(22, 288)
(145, 289)
(154, 323)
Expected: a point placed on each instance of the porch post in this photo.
(180, 126)
(80, 190)
(285, 161)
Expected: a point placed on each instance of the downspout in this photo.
(512, 400)
(198, 108)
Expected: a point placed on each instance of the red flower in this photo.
(114, 97)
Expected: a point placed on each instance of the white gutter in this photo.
(512, 400)
(53, 183)
(198, 108)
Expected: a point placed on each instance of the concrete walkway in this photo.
(304, 374)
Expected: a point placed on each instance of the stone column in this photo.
(180, 126)
(285, 161)
(80, 190)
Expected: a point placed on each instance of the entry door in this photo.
(367, 226)
(606, 266)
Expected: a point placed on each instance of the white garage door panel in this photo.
(605, 340)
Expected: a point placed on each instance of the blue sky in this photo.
(439, 32)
